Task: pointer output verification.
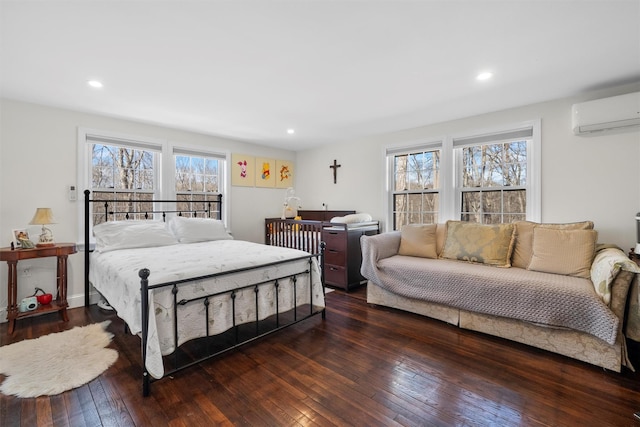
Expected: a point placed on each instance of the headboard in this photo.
(108, 207)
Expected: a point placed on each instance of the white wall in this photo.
(38, 152)
(594, 178)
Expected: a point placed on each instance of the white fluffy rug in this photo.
(56, 362)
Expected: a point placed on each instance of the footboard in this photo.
(235, 305)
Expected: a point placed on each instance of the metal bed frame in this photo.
(239, 334)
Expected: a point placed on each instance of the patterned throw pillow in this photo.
(608, 262)
(418, 240)
(523, 248)
(486, 244)
(567, 252)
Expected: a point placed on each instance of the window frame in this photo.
(451, 174)
(223, 161)
(391, 153)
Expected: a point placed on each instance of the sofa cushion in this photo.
(418, 240)
(523, 248)
(483, 243)
(567, 252)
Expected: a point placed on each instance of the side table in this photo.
(59, 304)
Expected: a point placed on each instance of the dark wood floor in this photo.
(362, 366)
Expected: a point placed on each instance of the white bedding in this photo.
(115, 275)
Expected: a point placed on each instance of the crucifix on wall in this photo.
(335, 167)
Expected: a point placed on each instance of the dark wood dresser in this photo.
(342, 255)
(322, 215)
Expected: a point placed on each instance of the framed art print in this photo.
(243, 170)
(265, 172)
(284, 173)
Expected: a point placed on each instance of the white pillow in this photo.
(351, 218)
(193, 230)
(116, 235)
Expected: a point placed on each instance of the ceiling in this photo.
(332, 70)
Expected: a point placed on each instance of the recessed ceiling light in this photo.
(486, 75)
(291, 131)
(95, 84)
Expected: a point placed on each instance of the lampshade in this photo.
(41, 217)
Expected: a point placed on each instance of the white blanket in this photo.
(115, 275)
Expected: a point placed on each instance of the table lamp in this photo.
(42, 217)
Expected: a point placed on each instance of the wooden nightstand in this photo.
(59, 304)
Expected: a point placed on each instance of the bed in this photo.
(186, 287)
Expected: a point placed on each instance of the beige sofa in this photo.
(474, 276)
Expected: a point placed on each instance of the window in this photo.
(416, 177)
(495, 178)
(134, 170)
(197, 179)
(123, 171)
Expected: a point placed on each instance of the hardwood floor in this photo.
(362, 366)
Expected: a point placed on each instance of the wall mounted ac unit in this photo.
(608, 115)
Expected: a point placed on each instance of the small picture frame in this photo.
(19, 235)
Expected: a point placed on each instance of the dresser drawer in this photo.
(335, 275)
(335, 240)
(334, 257)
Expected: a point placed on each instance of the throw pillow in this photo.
(607, 263)
(131, 234)
(194, 230)
(567, 252)
(441, 236)
(418, 240)
(523, 248)
(486, 244)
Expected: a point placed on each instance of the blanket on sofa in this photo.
(542, 298)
